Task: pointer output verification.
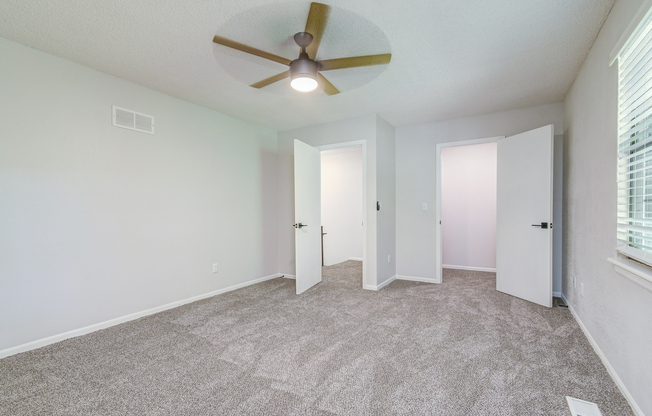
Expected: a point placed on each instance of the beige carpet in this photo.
(459, 348)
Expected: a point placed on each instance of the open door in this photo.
(307, 215)
(524, 216)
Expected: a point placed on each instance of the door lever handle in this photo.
(542, 225)
(299, 225)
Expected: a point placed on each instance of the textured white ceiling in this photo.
(450, 58)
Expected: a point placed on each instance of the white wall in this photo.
(615, 310)
(341, 203)
(98, 222)
(416, 176)
(469, 206)
(558, 215)
(386, 186)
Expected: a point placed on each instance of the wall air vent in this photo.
(132, 120)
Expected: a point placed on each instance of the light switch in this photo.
(424, 206)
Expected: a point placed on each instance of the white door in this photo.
(307, 215)
(524, 216)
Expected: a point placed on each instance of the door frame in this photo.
(440, 146)
(362, 143)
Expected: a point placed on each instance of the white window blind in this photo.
(635, 145)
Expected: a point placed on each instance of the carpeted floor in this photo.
(459, 348)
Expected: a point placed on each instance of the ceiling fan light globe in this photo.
(304, 83)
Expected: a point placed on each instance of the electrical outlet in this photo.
(424, 206)
(582, 289)
(389, 259)
(214, 267)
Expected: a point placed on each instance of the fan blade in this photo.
(327, 86)
(248, 49)
(315, 26)
(271, 80)
(355, 61)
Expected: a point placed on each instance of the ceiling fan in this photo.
(304, 71)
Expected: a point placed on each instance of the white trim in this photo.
(341, 150)
(126, 318)
(557, 295)
(288, 276)
(342, 144)
(386, 282)
(612, 372)
(365, 218)
(631, 28)
(476, 269)
(634, 271)
(417, 279)
(438, 251)
(563, 297)
(380, 286)
(637, 255)
(356, 258)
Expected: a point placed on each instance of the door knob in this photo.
(299, 225)
(542, 225)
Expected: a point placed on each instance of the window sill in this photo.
(634, 271)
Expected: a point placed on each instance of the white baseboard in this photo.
(475, 269)
(417, 279)
(557, 295)
(380, 286)
(116, 321)
(612, 372)
(287, 276)
(355, 258)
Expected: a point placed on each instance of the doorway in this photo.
(342, 214)
(524, 213)
(468, 207)
(439, 258)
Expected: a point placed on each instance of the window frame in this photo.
(631, 262)
(633, 149)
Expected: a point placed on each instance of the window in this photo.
(635, 145)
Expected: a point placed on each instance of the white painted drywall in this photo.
(341, 203)
(468, 206)
(386, 193)
(98, 222)
(615, 310)
(557, 214)
(416, 175)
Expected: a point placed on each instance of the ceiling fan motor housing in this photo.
(303, 67)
